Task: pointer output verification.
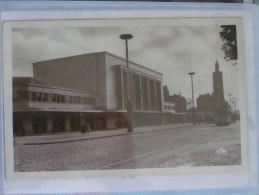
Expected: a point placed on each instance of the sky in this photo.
(172, 50)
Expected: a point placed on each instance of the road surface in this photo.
(201, 145)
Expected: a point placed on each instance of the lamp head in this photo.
(126, 36)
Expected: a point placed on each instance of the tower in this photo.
(218, 90)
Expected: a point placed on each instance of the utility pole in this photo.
(230, 102)
(193, 110)
(130, 118)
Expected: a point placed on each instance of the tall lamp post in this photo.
(127, 37)
(230, 102)
(193, 110)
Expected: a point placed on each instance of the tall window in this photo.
(62, 99)
(78, 100)
(33, 96)
(43, 97)
(58, 98)
(38, 97)
(53, 98)
(74, 99)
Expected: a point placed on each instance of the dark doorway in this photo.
(17, 124)
(99, 123)
(39, 125)
(58, 124)
(75, 123)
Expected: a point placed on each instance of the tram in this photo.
(222, 117)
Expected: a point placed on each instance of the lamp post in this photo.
(193, 110)
(230, 102)
(127, 37)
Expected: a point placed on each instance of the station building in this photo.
(65, 93)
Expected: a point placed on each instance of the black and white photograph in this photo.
(129, 94)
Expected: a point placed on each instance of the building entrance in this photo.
(99, 123)
(58, 124)
(39, 125)
(75, 123)
(17, 124)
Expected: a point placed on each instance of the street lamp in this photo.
(193, 110)
(230, 102)
(127, 37)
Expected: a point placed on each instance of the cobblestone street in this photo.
(145, 148)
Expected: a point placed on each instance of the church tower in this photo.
(218, 90)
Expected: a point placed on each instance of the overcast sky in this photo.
(173, 51)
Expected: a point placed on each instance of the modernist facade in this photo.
(68, 92)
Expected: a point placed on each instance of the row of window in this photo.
(46, 97)
(169, 107)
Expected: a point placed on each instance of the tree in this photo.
(228, 36)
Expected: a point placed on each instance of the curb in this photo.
(104, 136)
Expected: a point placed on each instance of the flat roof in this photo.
(30, 81)
(97, 53)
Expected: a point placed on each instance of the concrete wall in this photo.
(84, 72)
(101, 87)
(76, 72)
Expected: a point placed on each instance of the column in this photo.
(27, 124)
(132, 88)
(119, 91)
(122, 90)
(148, 94)
(155, 97)
(158, 96)
(141, 95)
(151, 93)
(67, 123)
(49, 124)
(125, 92)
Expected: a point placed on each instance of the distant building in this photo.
(205, 103)
(169, 107)
(179, 101)
(166, 93)
(210, 102)
(66, 93)
(218, 89)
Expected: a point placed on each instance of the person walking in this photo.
(85, 128)
(88, 129)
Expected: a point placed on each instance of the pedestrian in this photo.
(83, 129)
(88, 129)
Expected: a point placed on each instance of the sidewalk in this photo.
(76, 136)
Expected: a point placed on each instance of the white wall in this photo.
(75, 72)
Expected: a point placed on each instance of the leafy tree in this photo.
(228, 36)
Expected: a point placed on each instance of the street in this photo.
(201, 145)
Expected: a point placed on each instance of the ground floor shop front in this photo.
(40, 122)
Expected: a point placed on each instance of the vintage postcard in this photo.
(124, 97)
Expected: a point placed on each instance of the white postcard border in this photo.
(243, 177)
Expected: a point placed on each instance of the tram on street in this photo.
(222, 117)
